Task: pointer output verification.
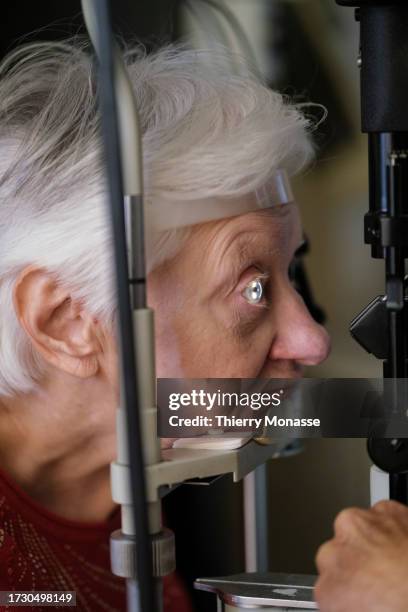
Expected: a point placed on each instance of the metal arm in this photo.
(382, 328)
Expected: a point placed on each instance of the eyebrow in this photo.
(242, 251)
(247, 251)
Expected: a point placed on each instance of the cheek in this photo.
(193, 345)
(197, 341)
(252, 352)
(168, 363)
(250, 341)
(201, 345)
(220, 353)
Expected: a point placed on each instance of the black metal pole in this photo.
(384, 102)
(144, 563)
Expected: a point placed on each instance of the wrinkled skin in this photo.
(364, 567)
(205, 327)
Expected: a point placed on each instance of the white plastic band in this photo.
(161, 216)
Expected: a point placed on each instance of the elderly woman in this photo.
(224, 303)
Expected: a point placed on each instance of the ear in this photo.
(60, 329)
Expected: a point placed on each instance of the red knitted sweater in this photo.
(40, 551)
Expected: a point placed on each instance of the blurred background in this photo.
(306, 49)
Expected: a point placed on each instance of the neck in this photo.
(57, 444)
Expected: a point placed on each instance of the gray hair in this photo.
(206, 132)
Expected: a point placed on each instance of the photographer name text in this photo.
(223, 421)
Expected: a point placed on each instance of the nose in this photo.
(298, 338)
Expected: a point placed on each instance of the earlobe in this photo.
(60, 328)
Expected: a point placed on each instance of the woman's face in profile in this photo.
(225, 306)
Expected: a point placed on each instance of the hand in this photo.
(364, 567)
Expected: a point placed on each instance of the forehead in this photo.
(263, 232)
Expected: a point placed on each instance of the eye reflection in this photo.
(254, 291)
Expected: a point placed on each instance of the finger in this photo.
(352, 522)
(338, 558)
(326, 556)
(392, 517)
(326, 591)
(390, 507)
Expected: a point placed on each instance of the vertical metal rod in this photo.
(383, 46)
(250, 523)
(256, 520)
(262, 522)
(97, 16)
(396, 366)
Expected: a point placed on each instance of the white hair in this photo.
(206, 132)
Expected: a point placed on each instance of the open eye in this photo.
(254, 291)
